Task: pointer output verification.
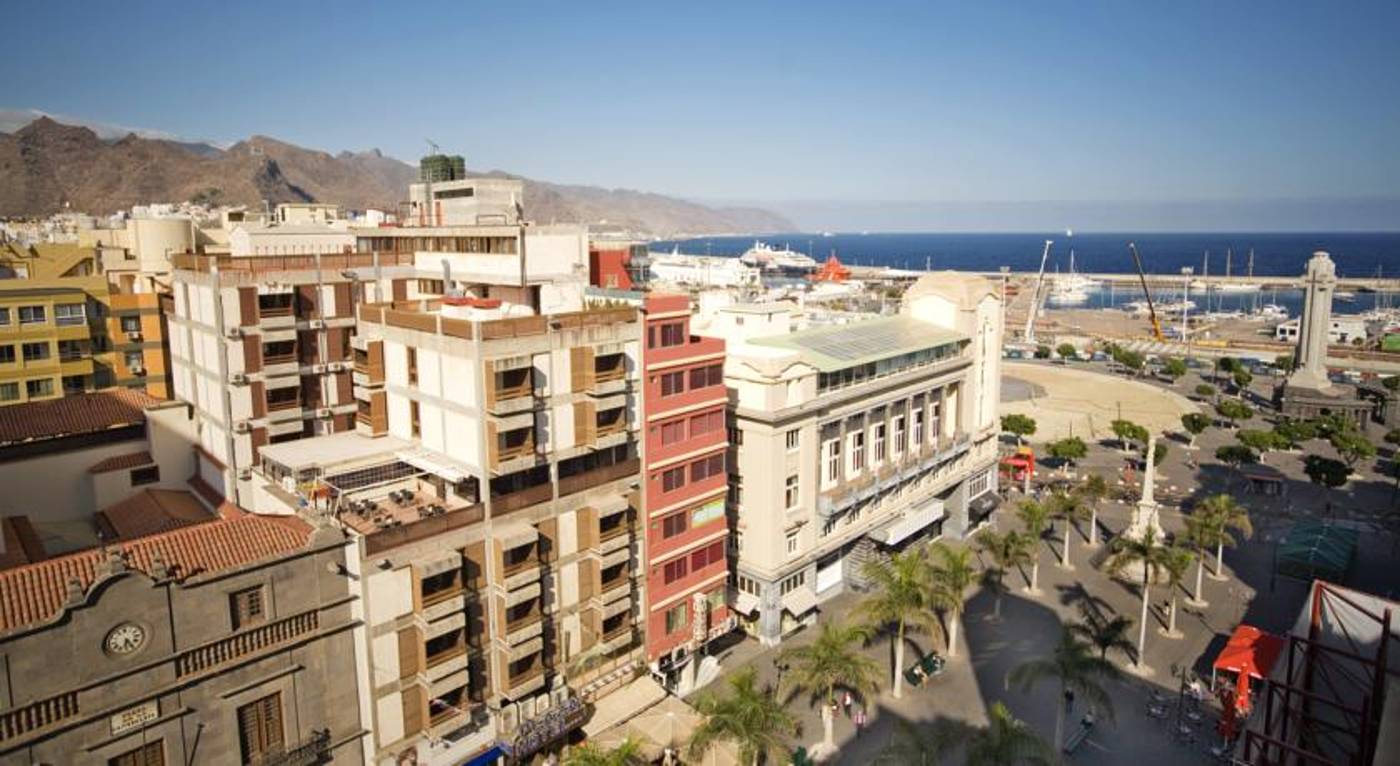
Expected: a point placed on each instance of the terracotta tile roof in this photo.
(118, 462)
(149, 512)
(71, 415)
(37, 592)
(19, 543)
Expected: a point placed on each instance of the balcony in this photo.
(589, 479)
(609, 376)
(514, 501)
(527, 627)
(869, 483)
(618, 638)
(316, 749)
(524, 683)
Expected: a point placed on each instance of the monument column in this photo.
(1314, 326)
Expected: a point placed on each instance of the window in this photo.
(672, 433)
(33, 352)
(673, 479)
(748, 585)
(32, 315)
(979, 484)
(9, 392)
(792, 544)
(736, 541)
(246, 607)
(933, 421)
(711, 375)
(706, 423)
(71, 350)
(430, 287)
(260, 728)
(147, 475)
(857, 441)
(7, 354)
(134, 359)
(879, 442)
(411, 354)
(672, 383)
(672, 334)
(69, 314)
(829, 525)
(833, 462)
(74, 384)
(38, 388)
(898, 444)
(674, 570)
(793, 439)
(4, 316)
(677, 617)
(736, 490)
(415, 424)
(279, 352)
(673, 525)
(149, 754)
(704, 468)
(790, 494)
(131, 324)
(736, 436)
(710, 554)
(792, 583)
(917, 435)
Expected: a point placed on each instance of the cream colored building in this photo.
(855, 440)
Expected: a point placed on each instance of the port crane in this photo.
(1142, 277)
(1036, 297)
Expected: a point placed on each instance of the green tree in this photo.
(1234, 411)
(1018, 425)
(1007, 742)
(1068, 451)
(1070, 508)
(1259, 441)
(1173, 368)
(1148, 553)
(1195, 424)
(1242, 379)
(1159, 453)
(1066, 350)
(1236, 455)
(902, 598)
(1393, 435)
(1006, 550)
(1035, 518)
(749, 717)
(1175, 562)
(1284, 362)
(1075, 668)
(1292, 433)
(1326, 472)
(1353, 447)
(1127, 431)
(1133, 361)
(1043, 352)
(952, 575)
(1205, 390)
(831, 662)
(1225, 366)
(1094, 489)
(1105, 633)
(924, 744)
(1224, 520)
(628, 753)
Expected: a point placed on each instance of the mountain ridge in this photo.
(48, 166)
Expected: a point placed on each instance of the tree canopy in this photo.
(1236, 455)
(1326, 472)
(1018, 425)
(1234, 411)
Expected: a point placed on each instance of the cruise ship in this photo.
(703, 270)
(785, 261)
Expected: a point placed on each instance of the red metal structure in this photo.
(1324, 705)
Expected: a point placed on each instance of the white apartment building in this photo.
(851, 441)
(1340, 330)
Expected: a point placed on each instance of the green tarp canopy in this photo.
(1317, 550)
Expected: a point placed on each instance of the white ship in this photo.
(784, 261)
(703, 270)
(1162, 309)
(1070, 289)
(1271, 312)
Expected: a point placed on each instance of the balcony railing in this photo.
(453, 652)
(316, 749)
(279, 359)
(37, 715)
(261, 638)
(524, 498)
(393, 537)
(516, 682)
(578, 483)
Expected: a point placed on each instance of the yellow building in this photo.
(65, 328)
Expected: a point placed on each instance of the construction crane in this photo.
(1142, 277)
(1029, 334)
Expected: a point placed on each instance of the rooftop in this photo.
(331, 450)
(119, 462)
(150, 512)
(73, 415)
(37, 593)
(837, 347)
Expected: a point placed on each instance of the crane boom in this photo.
(1029, 334)
(1142, 277)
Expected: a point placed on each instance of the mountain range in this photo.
(48, 166)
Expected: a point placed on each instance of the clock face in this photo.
(125, 638)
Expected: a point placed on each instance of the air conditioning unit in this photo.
(324, 414)
(133, 335)
(241, 427)
(318, 324)
(233, 333)
(138, 370)
(335, 367)
(317, 369)
(238, 379)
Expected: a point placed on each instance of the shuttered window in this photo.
(247, 607)
(260, 728)
(149, 754)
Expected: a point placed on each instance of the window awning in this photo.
(623, 704)
(900, 529)
(745, 603)
(431, 463)
(800, 601)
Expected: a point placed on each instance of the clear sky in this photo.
(781, 103)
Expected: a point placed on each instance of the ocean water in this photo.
(1356, 254)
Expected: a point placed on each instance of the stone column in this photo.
(1145, 514)
(1310, 366)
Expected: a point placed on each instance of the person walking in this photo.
(860, 721)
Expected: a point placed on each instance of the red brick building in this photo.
(684, 484)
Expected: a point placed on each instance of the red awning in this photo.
(1250, 651)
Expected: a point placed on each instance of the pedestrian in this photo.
(860, 721)
(846, 703)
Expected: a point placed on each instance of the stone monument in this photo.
(1146, 512)
(1307, 392)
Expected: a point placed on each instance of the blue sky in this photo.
(795, 105)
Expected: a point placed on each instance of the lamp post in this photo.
(1186, 272)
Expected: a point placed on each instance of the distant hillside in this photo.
(47, 166)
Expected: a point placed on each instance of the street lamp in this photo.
(1186, 272)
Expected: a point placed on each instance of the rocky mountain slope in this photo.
(47, 166)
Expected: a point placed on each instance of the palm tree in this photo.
(1007, 741)
(1035, 517)
(749, 717)
(912, 745)
(1093, 490)
(1198, 536)
(829, 663)
(1007, 549)
(952, 575)
(1078, 671)
(1148, 553)
(1070, 508)
(1105, 633)
(1175, 562)
(902, 597)
(628, 753)
(1225, 518)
